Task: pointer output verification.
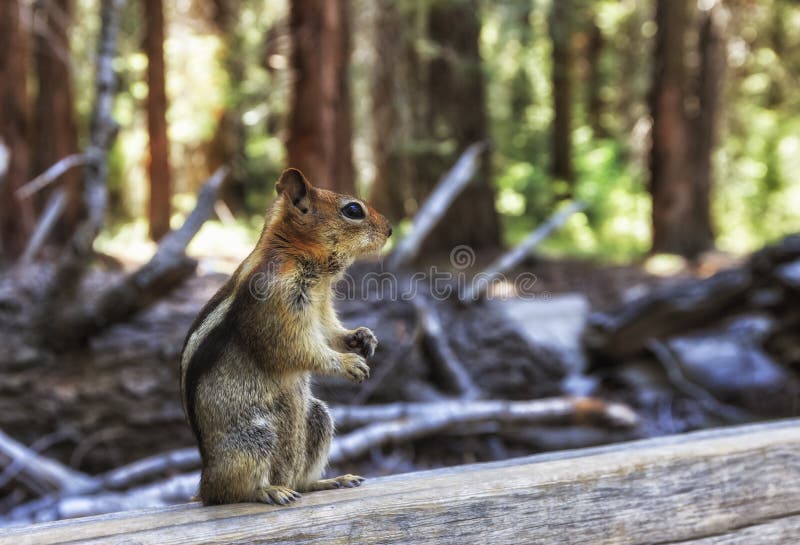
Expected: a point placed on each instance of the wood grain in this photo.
(729, 486)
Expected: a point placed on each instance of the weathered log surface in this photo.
(733, 486)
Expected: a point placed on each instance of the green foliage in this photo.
(245, 72)
(610, 176)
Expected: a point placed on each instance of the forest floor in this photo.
(117, 400)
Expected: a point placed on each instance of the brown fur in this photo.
(247, 359)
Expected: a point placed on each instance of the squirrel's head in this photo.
(317, 223)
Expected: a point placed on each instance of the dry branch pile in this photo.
(730, 343)
(143, 483)
(445, 367)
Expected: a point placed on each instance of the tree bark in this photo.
(678, 221)
(227, 146)
(455, 118)
(594, 79)
(16, 216)
(560, 27)
(320, 126)
(55, 128)
(158, 167)
(713, 60)
(392, 124)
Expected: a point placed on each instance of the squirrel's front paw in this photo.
(361, 341)
(354, 367)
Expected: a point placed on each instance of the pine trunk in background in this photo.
(320, 127)
(455, 118)
(594, 79)
(227, 145)
(713, 62)
(560, 27)
(392, 130)
(158, 167)
(677, 221)
(55, 128)
(16, 217)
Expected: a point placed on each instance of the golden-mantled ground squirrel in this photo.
(247, 359)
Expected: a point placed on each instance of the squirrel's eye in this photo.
(353, 210)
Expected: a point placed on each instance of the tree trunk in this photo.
(676, 226)
(594, 79)
(158, 167)
(560, 26)
(55, 128)
(16, 217)
(319, 140)
(392, 125)
(456, 117)
(227, 146)
(713, 60)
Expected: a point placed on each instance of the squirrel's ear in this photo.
(294, 186)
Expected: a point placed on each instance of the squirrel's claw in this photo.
(362, 341)
(356, 368)
(279, 495)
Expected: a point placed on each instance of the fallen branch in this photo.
(55, 207)
(102, 132)
(553, 410)
(383, 424)
(415, 421)
(177, 489)
(53, 173)
(41, 474)
(152, 466)
(436, 205)
(448, 367)
(166, 269)
(105, 493)
(511, 259)
(5, 161)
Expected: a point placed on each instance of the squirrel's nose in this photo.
(389, 233)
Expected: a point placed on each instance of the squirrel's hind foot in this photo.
(342, 481)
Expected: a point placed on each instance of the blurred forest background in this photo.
(129, 127)
(381, 97)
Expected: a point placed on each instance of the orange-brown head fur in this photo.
(311, 224)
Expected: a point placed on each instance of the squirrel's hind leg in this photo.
(239, 467)
(319, 434)
(235, 479)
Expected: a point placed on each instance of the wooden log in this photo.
(167, 268)
(735, 486)
(625, 331)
